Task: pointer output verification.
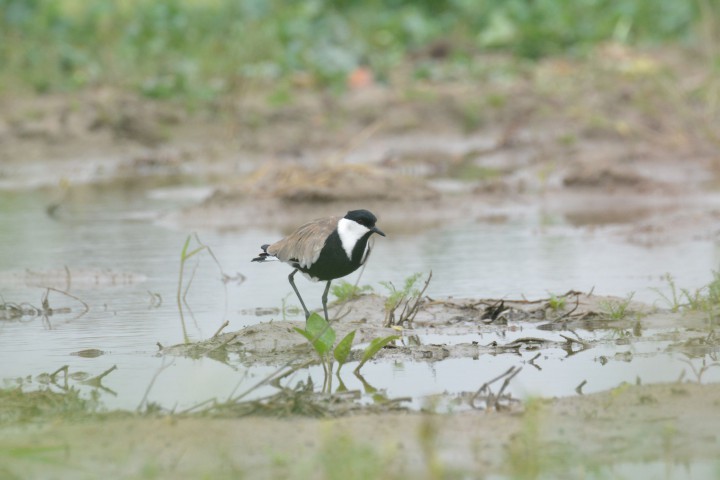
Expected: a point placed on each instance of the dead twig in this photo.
(579, 388)
(493, 312)
(46, 305)
(225, 324)
(163, 366)
(416, 306)
(492, 400)
(701, 371)
(223, 344)
(569, 313)
(580, 342)
(96, 381)
(64, 369)
(532, 361)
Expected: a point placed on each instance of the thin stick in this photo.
(269, 378)
(225, 324)
(414, 310)
(192, 277)
(222, 344)
(567, 314)
(68, 278)
(504, 385)
(64, 368)
(532, 361)
(222, 272)
(579, 388)
(487, 384)
(85, 305)
(152, 382)
(570, 341)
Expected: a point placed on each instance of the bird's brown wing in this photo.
(303, 246)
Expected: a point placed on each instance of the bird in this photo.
(325, 249)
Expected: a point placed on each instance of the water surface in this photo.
(122, 262)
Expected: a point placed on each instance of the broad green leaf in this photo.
(304, 334)
(375, 347)
(342, 350)
(319, 333)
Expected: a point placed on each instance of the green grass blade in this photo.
(185, 247)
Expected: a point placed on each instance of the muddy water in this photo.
(125, 268)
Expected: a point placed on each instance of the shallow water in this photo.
(120, 261)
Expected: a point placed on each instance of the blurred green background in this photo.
(205, 48)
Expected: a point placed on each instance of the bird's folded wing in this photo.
(303, 246)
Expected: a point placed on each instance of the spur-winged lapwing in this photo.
(325, 249)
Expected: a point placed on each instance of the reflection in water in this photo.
(126, 270)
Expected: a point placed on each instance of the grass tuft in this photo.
(345, 291)
(617, 309)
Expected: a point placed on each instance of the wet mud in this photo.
(661, 428)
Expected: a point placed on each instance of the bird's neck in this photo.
(359, 251)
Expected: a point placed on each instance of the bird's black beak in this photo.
(377, 230)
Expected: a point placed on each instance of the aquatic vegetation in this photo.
(19, 406)
(322, 337)
(343, 348)
(19, 311)
(374, 347)
(703, 299)
(616, 309)
(181, 296)
(408, 297)
(674, 299)
(556, 302)
(345, 291)
(319, 333)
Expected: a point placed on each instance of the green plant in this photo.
(674, 298)
(557, 302)
(616, 309)
(181, 296)
(408, 297)
(342, 350)
(706, 298)
(374, 347)
(203, 49)
(345, 291)
(322, 337)
(319, 333)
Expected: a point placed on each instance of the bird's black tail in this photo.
(263, 256)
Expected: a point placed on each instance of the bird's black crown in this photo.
(363, 217)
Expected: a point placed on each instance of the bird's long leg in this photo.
(324, 300)
(292, 282)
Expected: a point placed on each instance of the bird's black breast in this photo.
(333, 262)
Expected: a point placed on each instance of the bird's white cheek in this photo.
(350, 232)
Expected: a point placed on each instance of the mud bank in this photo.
(670, 424)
